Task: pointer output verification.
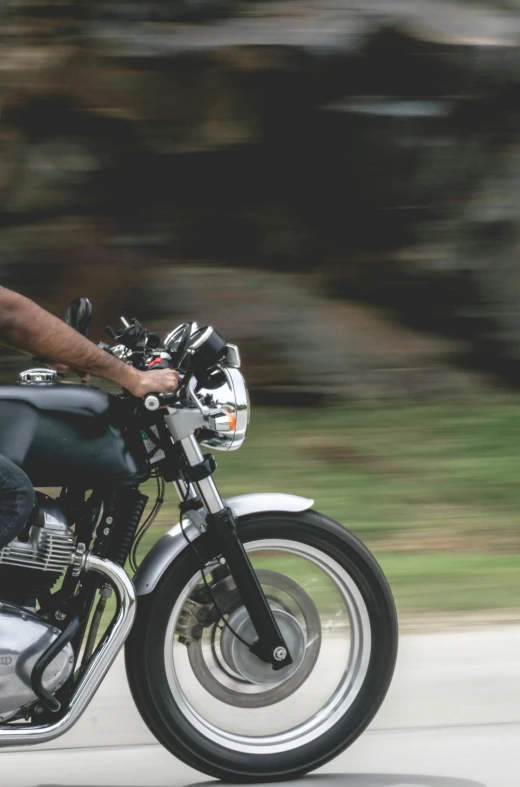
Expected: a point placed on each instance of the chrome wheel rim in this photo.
(345, 665)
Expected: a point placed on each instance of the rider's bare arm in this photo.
(25, 326)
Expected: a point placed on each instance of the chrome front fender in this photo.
(173, 542)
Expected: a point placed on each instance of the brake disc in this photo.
(230, 672)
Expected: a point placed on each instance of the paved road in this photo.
(452, 719)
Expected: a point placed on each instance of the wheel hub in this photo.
(239, 658)
(230, 672)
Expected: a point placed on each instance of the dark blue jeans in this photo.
(16, 500)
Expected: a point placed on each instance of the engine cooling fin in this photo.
(31, 564)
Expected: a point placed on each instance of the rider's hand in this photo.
(158, 381)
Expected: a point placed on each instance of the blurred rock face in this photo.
(323, 183)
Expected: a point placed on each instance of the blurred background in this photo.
(335, 185)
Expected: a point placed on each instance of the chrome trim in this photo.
(192, 452)
(122, 352)
(207, 489)
(167, 549)
(97, 668)
(37, 376)
(259, 502)
(202, 338)
(173, 335)
(242, 407)
(231, 396)
(232, 356)
(198, 404)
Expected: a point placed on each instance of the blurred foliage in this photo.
(347, 172)
(432, 490)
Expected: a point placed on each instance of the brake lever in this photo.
(204, 409)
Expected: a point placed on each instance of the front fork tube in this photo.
(270, 645)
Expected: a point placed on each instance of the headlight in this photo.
(229, 395)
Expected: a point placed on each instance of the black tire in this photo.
(147, 673)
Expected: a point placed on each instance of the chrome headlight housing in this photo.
(229, 405)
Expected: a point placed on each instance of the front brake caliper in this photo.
(192, 619)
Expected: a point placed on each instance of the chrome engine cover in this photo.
(50, 546)
(24, 637)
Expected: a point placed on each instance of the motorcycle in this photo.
(260, 636)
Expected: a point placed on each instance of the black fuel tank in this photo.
(62, 433)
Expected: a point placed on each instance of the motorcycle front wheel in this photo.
(221, 710)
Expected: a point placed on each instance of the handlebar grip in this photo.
(153, 401)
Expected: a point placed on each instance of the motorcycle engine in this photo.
(29, 568)
(25, 637)
(32, 563)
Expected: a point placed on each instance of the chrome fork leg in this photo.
(208, 491)
(269, 645)
(96, 669)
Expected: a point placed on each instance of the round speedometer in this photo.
(207, 348)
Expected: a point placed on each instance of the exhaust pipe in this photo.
(97, 667)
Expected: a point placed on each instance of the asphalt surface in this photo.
(451, 719)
